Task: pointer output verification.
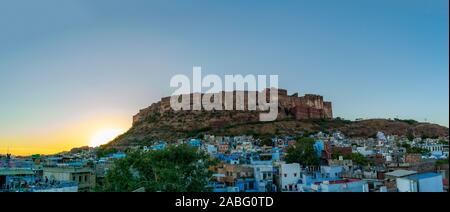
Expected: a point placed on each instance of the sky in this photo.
(72, 68)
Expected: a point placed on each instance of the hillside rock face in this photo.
(308, 113)
(369, 127)
(305, 107)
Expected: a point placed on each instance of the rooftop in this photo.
(344, 181)
(15, 171)
(423, 176)
(401, 173)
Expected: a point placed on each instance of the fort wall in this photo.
(310, 106)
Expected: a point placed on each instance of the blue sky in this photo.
(63, 60)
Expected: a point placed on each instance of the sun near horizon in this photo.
(104, 136)
(92, 131)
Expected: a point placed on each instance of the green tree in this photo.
(442, 141)
(120, 178)
(105, 151)
(303, 153)
(266, 140)
(414, 150)
(357, 158)
(175, 169)
(442, 162)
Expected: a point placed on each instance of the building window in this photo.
(285, 175)
(73, 178)
(79, 179)
(295, 174)
(86, 178)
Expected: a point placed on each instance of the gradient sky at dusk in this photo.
(70, 68)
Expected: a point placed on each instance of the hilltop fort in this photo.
(310, 106)
(308, 113)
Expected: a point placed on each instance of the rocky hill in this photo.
(159, 123)
(367, 128)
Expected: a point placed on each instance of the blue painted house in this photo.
(195, 143)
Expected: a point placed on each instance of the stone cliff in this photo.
(290, 106)
(307, 113)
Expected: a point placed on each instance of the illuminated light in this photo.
(104, 136)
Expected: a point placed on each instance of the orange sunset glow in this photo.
(88, 132)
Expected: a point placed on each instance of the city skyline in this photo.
(72, 69)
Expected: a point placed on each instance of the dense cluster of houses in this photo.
(69, 172)
(248, 166)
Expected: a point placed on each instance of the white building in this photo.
(434, 147)
(425, 182)
(364, 151)
(289, 176)
(263, 176)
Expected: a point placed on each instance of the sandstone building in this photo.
(309, 106)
